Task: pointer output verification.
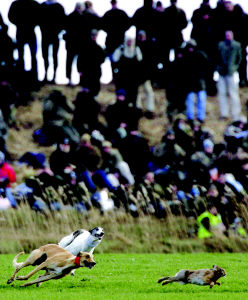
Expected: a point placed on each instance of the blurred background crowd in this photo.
(101, 158)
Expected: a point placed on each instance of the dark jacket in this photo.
(175, 22)
(52, 18)
(25, 15)
(115, 22)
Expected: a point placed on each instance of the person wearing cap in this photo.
(7, 178)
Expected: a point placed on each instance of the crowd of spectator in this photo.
(101, 158)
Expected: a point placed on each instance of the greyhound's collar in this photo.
(77, 261)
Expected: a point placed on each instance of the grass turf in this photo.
(133, 276)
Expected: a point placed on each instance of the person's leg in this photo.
(55, 56)
(149, 96)
(222, 97)
(243, 68)
(201, 105)
(233, 91)
(45, 53)
(87, 179)
(69, 60)
(190, 105)
(20, 47)
(33, 51)
(11, 198)
(102, 176)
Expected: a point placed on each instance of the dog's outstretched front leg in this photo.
(41, 279)
(211, 285)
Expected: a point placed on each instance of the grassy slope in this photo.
(134, 276)
(29, 118)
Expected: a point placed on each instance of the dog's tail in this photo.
(15, 263)
(163, 278)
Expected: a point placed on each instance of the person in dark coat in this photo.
(145, 18)
(73, 22)
(57, 116)
(61, 159)
(127, 77)
(174, 22)
(196, 65)
(87, 109)
(89, 64)
(114, 22)
(121, 118)
(175, 87)
(52, 19)
(203, 32)
(91, 21)
(7, 47)
(25, 15)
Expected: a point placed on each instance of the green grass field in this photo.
(133, 276)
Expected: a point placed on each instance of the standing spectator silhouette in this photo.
(146, 73)
(25, 15)
(174, 22)
(228, 16)
(128, 59)
(90, 21)
(146, 19)
(159, 6)
(52, 19)
(89, 65)
(196, 64)
(203, 32)
(228, 62)
(148, 48)
(175, 86)
(241, 36)
(7, 46)
(81, 29)
(114, 22)
(73, 22)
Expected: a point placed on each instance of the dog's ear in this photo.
(80, 254)
(95, 228)
(215, 267)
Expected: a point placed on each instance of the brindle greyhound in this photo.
(56, 261)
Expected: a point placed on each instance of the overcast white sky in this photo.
(101, 6)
